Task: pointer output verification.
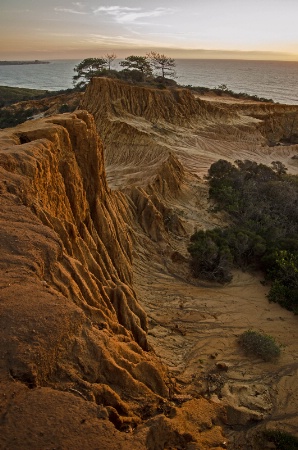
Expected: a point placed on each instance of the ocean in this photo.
(277, 80)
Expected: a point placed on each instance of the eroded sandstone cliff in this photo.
(141, 126)
(159, 145)
(75, 367)
(81, 251)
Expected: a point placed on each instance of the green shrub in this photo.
(11, 118)
(281, 439)
(261, 345)
(284, 272)
(262, 204)
(215, 252)
(64, 108)
(9, 95)
(211, 257)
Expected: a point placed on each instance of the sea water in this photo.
(277, 80)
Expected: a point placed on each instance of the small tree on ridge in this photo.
(87, 69)
(110, 57)
(163, 63)
(139, 63)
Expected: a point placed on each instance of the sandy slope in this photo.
(195, 325)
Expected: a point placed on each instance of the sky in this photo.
(225, 29)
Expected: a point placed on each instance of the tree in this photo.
(110, 57)
(210, 259)
(163, 63)
(87, 69)
(139, 63)
(279, 167)
(222, 87)
(284, 288)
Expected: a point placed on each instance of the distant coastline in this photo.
(20, 63)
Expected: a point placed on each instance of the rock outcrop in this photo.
(70, 320)
(158, 145)
(141, 126)
(75, 367)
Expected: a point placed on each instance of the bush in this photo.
(262, 203)
(215, 252)
(284, 272)
(211, 257)
(12, 119)
(261, 345)
(67, 108)
(9, 95)
(281, 439)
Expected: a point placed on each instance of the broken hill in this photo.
(158, 146)
(75, 368)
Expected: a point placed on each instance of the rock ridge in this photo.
(70, 319)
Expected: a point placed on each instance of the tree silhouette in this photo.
(110, 57)
(162, 62)
(87, 69)
(139, 63)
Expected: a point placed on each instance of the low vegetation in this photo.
(136, 69)
(223, 90)
(10, 118)
(262, 207)
(260, 345)
(281, 439)
(9, 95)
(12, 114)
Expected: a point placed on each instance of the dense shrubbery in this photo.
(262, 203)
(261, 345)
(224, 90)
(11, 119)
(281, 439)
(9, 95)
(215, 252)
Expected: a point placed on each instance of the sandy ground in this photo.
(195, 328)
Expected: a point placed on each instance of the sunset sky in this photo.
(65, 29)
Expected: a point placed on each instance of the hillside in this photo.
(10, 95)
(106, 339)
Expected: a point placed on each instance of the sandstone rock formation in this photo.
(106, 340)
(158, 146)
(75, 366)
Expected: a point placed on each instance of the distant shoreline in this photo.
(20, 63)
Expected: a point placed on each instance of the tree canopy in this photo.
(87, 69)
(139, 63)
(135, 68)
(110, 57)
(163, 63)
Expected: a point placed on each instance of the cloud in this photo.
(118, 41)
(115, 9)
(126, 15)
(69, 11)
